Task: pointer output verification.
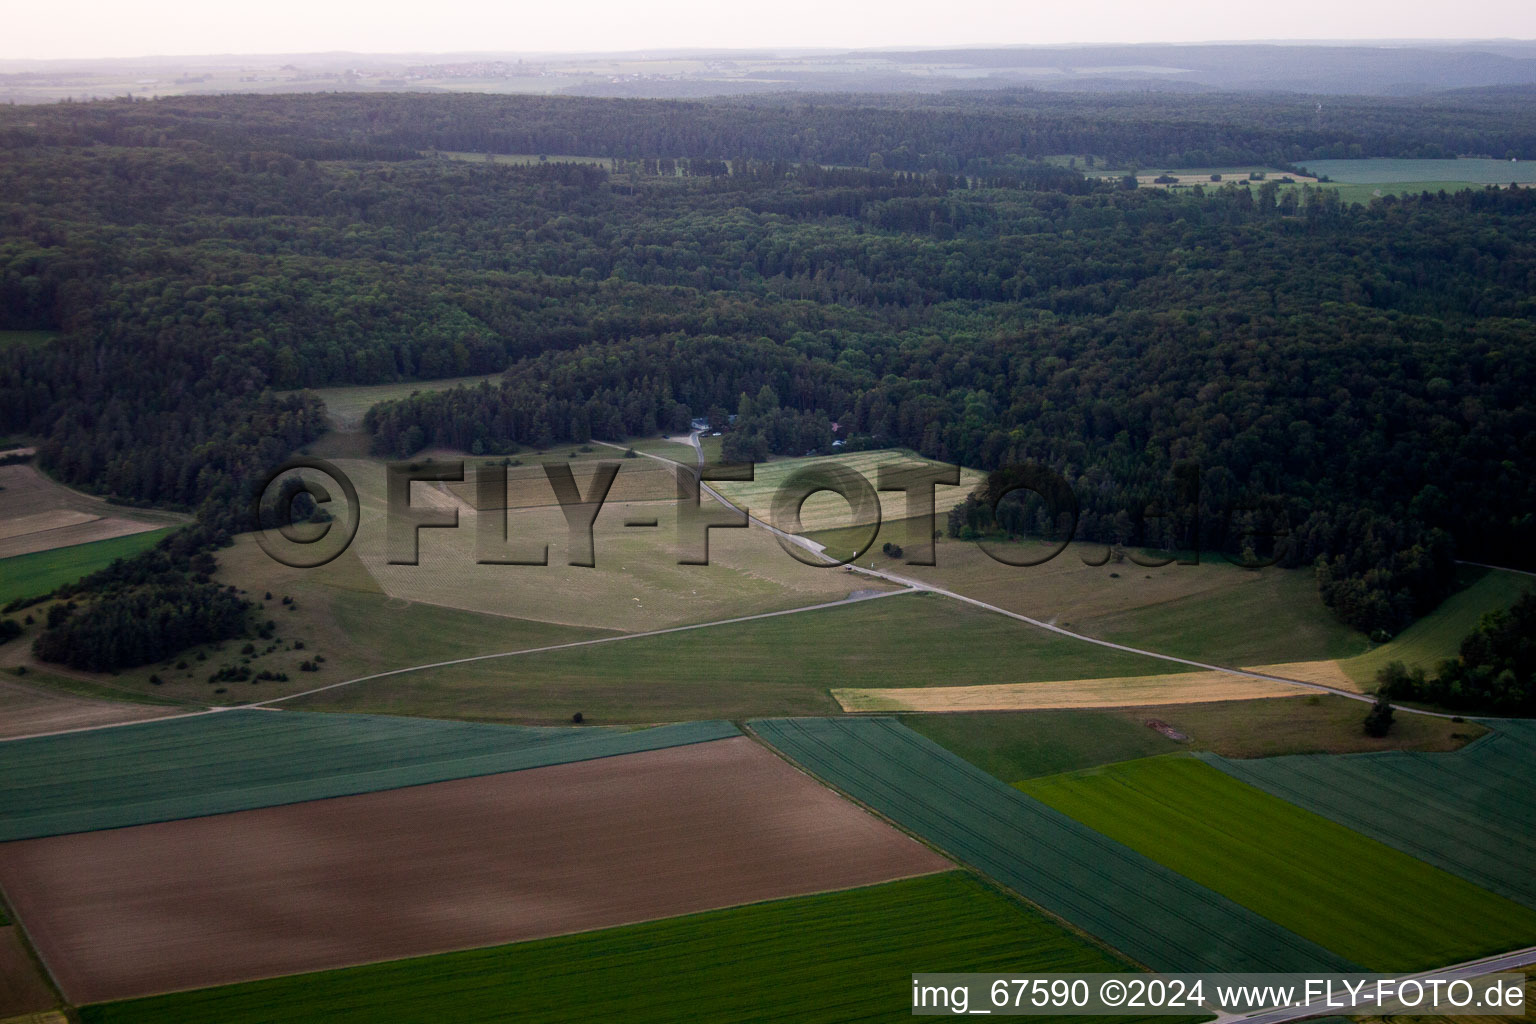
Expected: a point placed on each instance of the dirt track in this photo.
(453, 865)
(30, 711)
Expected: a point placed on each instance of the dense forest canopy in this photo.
(955, 132)
(1355, 376)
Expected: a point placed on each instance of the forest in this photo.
(910, 269)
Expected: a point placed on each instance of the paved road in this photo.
(1511, 961)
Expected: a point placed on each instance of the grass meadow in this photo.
(1018, 745)
(772, 666)
(1438, 635)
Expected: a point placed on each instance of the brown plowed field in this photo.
(476, 862)
(37, 514)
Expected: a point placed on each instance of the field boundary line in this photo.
(959, 865)
(268, 705)
(850, 600)
(905, 581)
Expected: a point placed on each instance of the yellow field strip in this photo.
(1324, 673)
(1122, 691)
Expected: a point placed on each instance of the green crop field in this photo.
(1366, 901)
(1018, 745)
(239, 760)
(1438, 635)
(1472, 812)
(1150, 913)
(1389, 171)
(771, 666)
(42, 571)
(834, 957)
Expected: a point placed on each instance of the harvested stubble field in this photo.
(1366, 901)
(38, 515)
(1173, 688)
(338, 613)
(1472, 812)
(29, 710)
(636, 583)
(429, 869)
(1150, 913)
(242, 760)
(780, 665)
(823, 959)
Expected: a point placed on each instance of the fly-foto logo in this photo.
(297, 521)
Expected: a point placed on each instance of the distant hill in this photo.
(1355, 68)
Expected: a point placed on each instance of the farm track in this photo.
(909, 584)
(919, 585)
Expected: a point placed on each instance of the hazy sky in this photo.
(123, 28)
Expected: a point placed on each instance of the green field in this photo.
(827, 510)
(772, 666)
(1024, 744)
(1438, 635)
(1152, 914)
(836, 957)
(682, 454)
(1439, 172)
(1366, 901)
(1015, 745)
(40, 572)
(239, 760)
(1472, 812)
(346, 405)
(1213, 612)
(1246, 618)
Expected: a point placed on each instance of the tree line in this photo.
(1355, 374)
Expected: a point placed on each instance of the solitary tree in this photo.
(1379, 721)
